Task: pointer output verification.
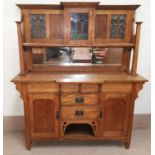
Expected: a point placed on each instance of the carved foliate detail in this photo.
(118, 23)
(38, 27)
(139, 87)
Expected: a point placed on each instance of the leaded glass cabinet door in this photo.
(79, 26)
(113, 27)
(47, 26)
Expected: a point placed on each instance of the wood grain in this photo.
(70, 112)
(70, 99)
(96, 100)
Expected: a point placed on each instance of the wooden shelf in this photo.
(65, 45)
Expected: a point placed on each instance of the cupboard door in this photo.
(43, 113)
(100, 30)
(113, 27)
(114, 114)
(79, 26)
(47, 26)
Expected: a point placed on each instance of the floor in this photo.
(14, 144)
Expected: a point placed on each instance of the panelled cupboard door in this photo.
(113, 26)
(43, 115)
(47, 26)
(79, 26)
(114, 114)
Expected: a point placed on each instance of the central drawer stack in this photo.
(83, 106)
(79, 103)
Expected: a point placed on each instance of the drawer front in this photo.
(116, 87)
(89, 88)
(79, 99)
(43, 87)
(77, 112)
(69, 87)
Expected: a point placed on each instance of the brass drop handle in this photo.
(79, 112)
(79, 100)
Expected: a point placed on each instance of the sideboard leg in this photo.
(127, 145)
(28, 144)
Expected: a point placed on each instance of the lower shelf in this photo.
(78, 130)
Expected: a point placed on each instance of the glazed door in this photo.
(114, 114)
(43, 115)
(79, 26)
(113, 26)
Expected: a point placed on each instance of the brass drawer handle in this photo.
(79, 112)
(79, 100)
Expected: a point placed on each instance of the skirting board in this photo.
(141, 121)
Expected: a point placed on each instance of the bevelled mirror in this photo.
(77, 55)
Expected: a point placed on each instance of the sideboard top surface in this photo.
(80, 77)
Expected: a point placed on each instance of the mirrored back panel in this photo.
(77, 55)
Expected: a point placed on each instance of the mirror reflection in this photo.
(78, 55)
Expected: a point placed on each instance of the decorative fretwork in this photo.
(118, 23)
(38, 28)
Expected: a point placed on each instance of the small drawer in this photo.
(79, 99)
(89, 88)
(69, 87)
(116, 87)
(43, 87)
(79, 112)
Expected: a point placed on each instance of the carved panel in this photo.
(114, 112)
(118, 23)
(44, 115)
(38, 27)
(100, 26)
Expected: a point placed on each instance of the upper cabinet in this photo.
(78, 24)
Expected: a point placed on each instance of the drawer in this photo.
(116, 87)
(79, 112)
(69, 87)
(43, 87)
(89, 88)
(79, 99)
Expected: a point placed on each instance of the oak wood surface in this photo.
(75, 78)
(114, 115)
(89, 112)
(84, 101)
(21, 51)
(42, 44)
(70, 99)
(136, 49)
(43, 109)
(102, 7)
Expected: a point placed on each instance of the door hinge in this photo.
(101, 114)
(22, 18)
(58, 115)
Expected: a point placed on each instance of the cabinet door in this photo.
(112, 26)
(47, 26)
(100, 28)
(79, 26)
(114, 114)
(43, 115)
